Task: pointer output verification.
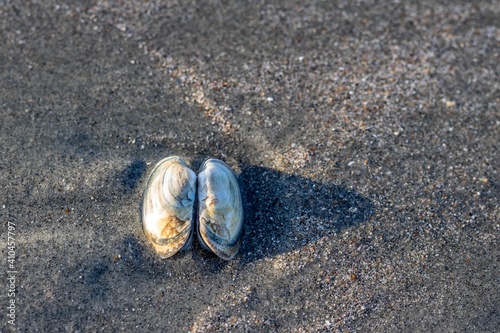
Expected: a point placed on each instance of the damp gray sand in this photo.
(365, 136)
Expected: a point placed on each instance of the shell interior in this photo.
(220, 218)
(167, 207)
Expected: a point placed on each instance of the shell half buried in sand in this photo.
(220, 209)
(167, 207)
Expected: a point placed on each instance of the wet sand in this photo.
(365, 137)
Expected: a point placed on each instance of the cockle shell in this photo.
(220, 209)
(167, 207)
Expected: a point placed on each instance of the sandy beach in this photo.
(365, 136)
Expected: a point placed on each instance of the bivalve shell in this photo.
(220, 217)
(167, 207)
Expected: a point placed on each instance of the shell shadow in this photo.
(284, 212)
(131, 175)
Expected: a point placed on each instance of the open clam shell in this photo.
(220, 217)
(167, 207)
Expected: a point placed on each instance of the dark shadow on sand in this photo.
(284, 212)
(131, 175)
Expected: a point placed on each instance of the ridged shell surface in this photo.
(220, 216)
(167, 207)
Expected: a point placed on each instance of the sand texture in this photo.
(365, 136)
